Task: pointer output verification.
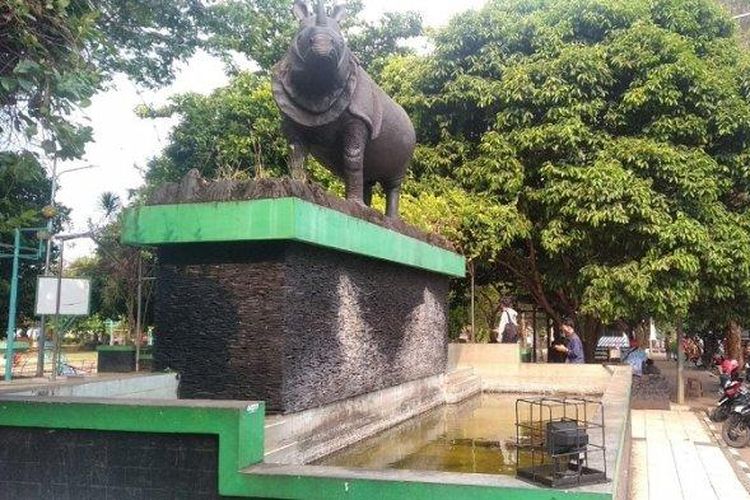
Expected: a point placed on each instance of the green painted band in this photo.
(239, 427)
(240, 431)
(283, 219)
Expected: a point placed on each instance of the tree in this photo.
(24, 189)
(235, 129)
(610, 136)
(266, 39)
(109, 204)
(54, 56)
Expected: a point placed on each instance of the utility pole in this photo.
(138, 313)
(48, 256)
(680, 364)
(473, 324)
(11, 332)
(56, 337)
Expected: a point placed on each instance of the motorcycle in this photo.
(731, 388)
(729, 369)
(736, 430)
(733, 393)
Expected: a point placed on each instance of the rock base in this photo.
(295, 325)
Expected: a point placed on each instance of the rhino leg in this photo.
(298, 151)
(355, 140)
(392, 193)
(368, 193)
(297, 162)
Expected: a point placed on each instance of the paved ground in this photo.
(680, 454)
(675, 457)
(84, 361)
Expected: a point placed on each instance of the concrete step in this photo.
(459, 374)
(461, 384)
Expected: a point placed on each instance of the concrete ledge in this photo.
(283, 219)
(364, 484)
(546, 379)
(239, 426)
(148, 386)
(302, 437)
(480, 356)
(500, 369)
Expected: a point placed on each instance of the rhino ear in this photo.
(339, 13)
(300, 10)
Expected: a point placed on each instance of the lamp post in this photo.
(53, 192)
(57, 339)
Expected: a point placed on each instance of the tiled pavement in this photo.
(675, 456)
(740, 458)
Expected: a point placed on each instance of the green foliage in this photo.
(44, 74)
(236, 128)
(592, 150)
(113, 271)
(374, 42)
(24, 189)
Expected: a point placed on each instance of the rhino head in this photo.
(320, 52)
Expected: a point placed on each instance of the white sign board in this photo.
(74, 296)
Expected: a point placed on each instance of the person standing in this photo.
(507, 331)
(574, 349)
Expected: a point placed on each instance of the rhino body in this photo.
(333, 110)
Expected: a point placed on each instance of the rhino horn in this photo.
(320, 14)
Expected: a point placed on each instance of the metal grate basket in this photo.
(560, 441)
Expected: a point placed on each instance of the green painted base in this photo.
(240, 429)
(283, 219)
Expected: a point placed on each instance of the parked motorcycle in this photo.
(734, 393)
(729, 369)
(736, 429)
(730, 388)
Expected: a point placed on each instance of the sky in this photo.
(123, 143)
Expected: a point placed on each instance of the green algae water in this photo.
(477, 435)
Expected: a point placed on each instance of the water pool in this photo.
(477, 435)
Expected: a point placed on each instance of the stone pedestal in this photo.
(292, 303)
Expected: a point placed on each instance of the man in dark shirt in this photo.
(574, 350)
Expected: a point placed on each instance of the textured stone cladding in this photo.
(81, 464)
(115, 361)
(295, 325)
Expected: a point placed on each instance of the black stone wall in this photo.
(80, 464)
(115, 361)
(294, 325)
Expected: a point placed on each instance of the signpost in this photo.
(74, 303)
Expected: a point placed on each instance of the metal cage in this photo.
(560, 441)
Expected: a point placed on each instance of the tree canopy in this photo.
(615, 135)
(592, 152)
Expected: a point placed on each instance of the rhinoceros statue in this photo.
(334, 111)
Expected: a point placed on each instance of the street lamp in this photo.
(57, 340)
(51, 210)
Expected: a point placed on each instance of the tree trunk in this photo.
(733, 342)
(641, 333)
(589, 329)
